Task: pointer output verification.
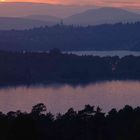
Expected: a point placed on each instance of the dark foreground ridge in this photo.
(54, 67)
(87, 124)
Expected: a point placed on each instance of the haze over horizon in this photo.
(103, 3)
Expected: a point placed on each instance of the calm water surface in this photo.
(59, 98)
(106, 53)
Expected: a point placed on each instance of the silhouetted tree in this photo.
(38, 109)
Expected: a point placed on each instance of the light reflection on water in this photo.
(106, 53)
(59, 98)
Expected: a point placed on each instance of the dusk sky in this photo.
(116, 3)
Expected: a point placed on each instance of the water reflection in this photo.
(59, 98)
(106, 53)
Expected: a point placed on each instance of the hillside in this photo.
(7, 23)
(19, 9)
(102, 16)
(103, 37)
(46, 18)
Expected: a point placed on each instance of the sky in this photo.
(115, 3)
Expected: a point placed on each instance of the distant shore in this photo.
(54, 67)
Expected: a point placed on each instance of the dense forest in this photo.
(34, 68)
(89, 123)
(66, 38)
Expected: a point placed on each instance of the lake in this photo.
(106, 53)
(58, 98)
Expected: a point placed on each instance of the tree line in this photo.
(89, 123)
(36, 68)
(103, 37)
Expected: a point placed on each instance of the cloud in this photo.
(122, 3)
(115, 3)
(96, 2)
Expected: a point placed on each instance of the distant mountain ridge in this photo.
(107, 15)
(21, 9)
(8, 23)
(46, 18)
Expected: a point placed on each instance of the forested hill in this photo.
(104, 37)
(54, 67)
